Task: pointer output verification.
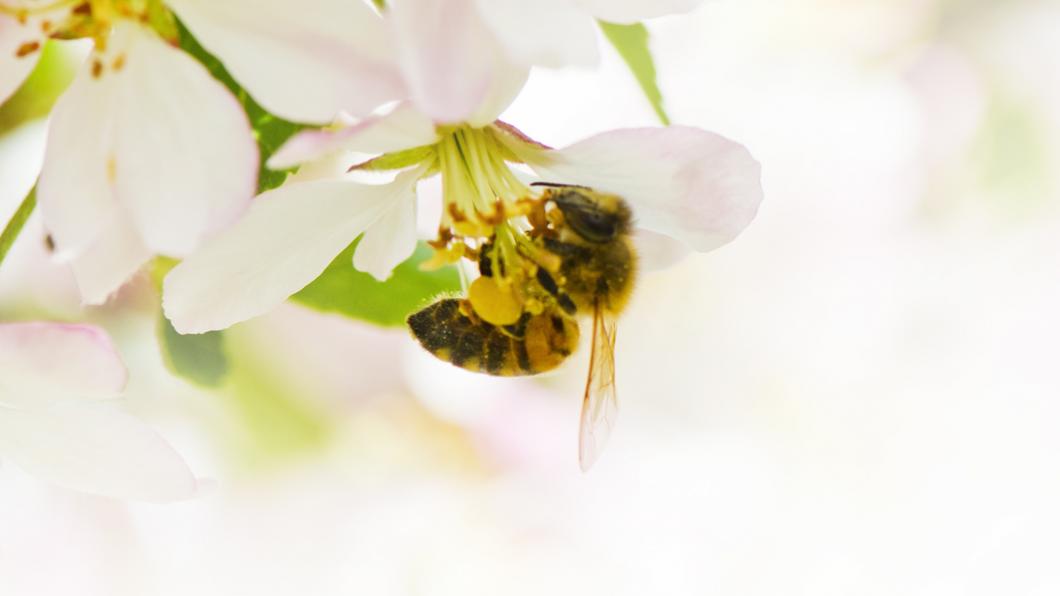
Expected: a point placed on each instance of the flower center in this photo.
(489, 217)
(479, 187)
(92, 19)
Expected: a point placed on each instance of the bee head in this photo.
(595, 216)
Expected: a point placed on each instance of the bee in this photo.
(588, 234)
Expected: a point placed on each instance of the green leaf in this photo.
(270, 131)
(199, 358)
(270, 406)
(631, 41)
(18, 220)
(344, 290)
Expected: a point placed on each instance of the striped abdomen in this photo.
(535, 344)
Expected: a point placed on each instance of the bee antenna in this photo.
(558, 185)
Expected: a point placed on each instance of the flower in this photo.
(311, 60)
(696, 188)
(55, 424)
(146, 153)
(458, 56)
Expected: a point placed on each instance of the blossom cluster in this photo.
(149, 155)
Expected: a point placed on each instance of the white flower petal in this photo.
(285, 241)
(304, 61)
(44, 361)
(631, 11)
(551, 33)
(447, 54)
(110, 261)
(13, 68)
(504, 87)
(657, 251)
(403, 128)
(74, 192)
(693, 185)
(185, 160)
(392, 238)
(95, 449)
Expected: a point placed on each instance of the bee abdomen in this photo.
(534, 345)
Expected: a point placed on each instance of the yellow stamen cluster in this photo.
(490, 218)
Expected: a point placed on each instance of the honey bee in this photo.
(588, 234)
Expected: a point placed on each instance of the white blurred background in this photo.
(859, 396)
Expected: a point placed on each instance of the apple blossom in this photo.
(128, 170)
(692, 188)
(309, 61)
(458, 55)
(55, 424)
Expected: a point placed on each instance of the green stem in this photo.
(18, 221)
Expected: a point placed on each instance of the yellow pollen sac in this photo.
(496, 304)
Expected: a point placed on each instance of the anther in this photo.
(27, 48)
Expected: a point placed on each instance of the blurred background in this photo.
(858, 396)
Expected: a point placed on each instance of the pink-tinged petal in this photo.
(185, 162)
(15, 68)
(551, 33)
(657, 251)
(392, 238)
(504, 88)
(40, 362)
(304, 61)
(96, 449)
(447, 54)
(693, 185)
(117, 254)
(284, 242)
(74, 192)
(403, 128)
(631, 11)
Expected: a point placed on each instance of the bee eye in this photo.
(585, 217)
(591, 224)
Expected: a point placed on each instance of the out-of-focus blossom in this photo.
(54, 424)
(147, 153)
(691, 187)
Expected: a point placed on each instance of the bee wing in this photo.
(600, 404)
